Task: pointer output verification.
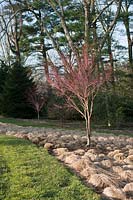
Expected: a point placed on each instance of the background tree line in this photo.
(33, 32)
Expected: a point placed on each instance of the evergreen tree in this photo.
(3, 74)
(14, 100)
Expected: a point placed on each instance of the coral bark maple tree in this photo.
(36, 99)
(79, 83)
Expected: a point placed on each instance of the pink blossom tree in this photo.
(79, 82)
(36, 99)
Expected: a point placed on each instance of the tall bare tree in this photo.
(125, 16)
(11, 18)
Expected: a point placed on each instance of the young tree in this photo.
(79, 83)
(36, 99)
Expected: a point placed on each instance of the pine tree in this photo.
(14, 100)
(3, 74)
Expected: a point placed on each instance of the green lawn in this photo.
(67, 125)
(34, 123)
(30, 173)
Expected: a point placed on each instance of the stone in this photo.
(19, 135)
(86, 173)
(66, 138)
(79, 152)
(101, 180)
(106, 163)
(130, 140)
(109, 148)
(119, 156)
(10, 133)
(112, 153)
(114, 192)
(78, 165)
(72, 145)
(117, 169)
(35, 140)
(92, 156)
(60, 151)
(101, 155)
(42, 143)
(84, 139)
(93, 151)
(30, 136)
(129, 159)
(128, 167)
(128, 187)
(126, 175)
(130, 152)
(71, 158)
(129, 146)
(63, 156)
(48, 146)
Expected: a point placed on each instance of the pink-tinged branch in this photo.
(79, 83)
(35, 99)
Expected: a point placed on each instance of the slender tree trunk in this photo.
(38, 115)
(129, 39)
(130, 52)
(106, 94)
(111, 61)
(43, 47)
(107, 110)
(86, 14)
(88, 130)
